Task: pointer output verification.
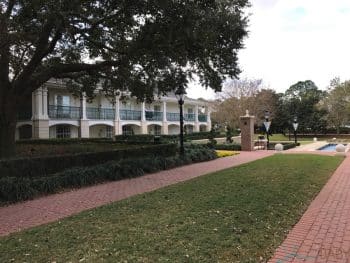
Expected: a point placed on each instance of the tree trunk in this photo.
(7, 130)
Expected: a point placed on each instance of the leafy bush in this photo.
(64, 141)
(228, 147)
(14, 189)
(44, 166)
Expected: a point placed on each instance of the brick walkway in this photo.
(51, 208)
(323, 232)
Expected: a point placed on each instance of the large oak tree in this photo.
(145, 46)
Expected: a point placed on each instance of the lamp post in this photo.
(295, 126)
(180, 95)
(267, 124)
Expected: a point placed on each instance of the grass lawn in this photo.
(237, 215)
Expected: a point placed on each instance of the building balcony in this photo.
(130, 115)
(100, 113)
(202, 118)
(64, 112)
(189, 117)
(171, 116)
(154, 115)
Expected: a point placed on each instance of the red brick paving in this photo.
(323, 232)
(51, 208)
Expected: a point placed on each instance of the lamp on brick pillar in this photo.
(180, 95)
(267, 124)
(295, 127)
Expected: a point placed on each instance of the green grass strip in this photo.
(236, 215)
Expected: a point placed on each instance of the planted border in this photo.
(46, 165)
(14, 189)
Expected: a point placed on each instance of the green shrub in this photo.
(65, 141)
(14, 189)
(228, 147)
(44, 166)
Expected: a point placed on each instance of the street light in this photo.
(180, 95)
(267, 124)
(295, 126)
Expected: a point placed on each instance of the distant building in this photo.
(53, 112)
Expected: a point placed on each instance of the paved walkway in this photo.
(323, 232)
(51, 208)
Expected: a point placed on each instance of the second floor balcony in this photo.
(130, 115)
(72, 112)
(64, 112)
(154, 115)
(100, 113)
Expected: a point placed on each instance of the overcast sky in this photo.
(292, 40)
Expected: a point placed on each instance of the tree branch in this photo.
(9, 9)
(43, 48)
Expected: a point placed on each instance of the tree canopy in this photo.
(143, 46)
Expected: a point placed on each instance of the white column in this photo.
(117, 126)
(117, 107)
(196, 124)
(164, 111)
(83, 106)
(44, 104)
(38, 104)
(165, 123)
(143, 113)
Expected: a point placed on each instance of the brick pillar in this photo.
(247, 132)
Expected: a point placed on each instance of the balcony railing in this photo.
(100, 113)
(189, 117)
(171, 116)
(70, 112)
(64, 112)
(24, 115)
(154, 115)
(202, 118)
(130, 115)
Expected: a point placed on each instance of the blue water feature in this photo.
(329, 147)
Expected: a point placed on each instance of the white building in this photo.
(55, 113)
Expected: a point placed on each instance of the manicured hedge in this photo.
(14, 189)
(201, 135)
(149, 138)
(65, 141)
(44, 166)
(228, 147)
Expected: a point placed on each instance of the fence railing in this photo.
(189, 117)
(154, 115)
(130, 115)
(64, 112)
(100, 113)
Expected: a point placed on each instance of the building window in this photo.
(62, 100)
(157, 130)
(190, 110)
(109, 132)
(63, 131)
(127, 130)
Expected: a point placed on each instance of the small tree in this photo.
(229, 134)
(212, 142)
